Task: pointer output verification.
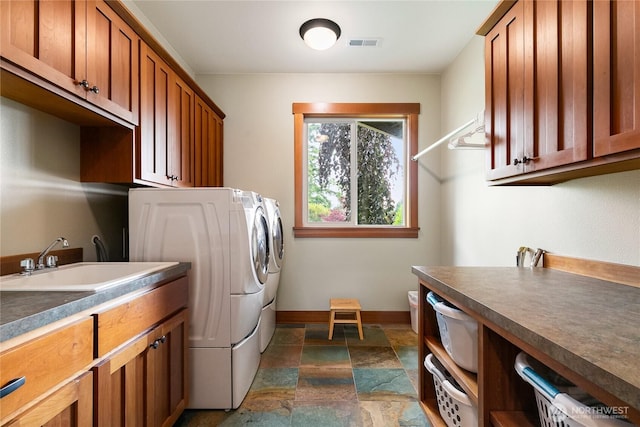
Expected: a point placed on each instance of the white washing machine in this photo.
(276, 258)
(224, 233)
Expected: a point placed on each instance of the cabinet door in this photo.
(537, 88)
(46, 38)
(208, 136)
(45, 362)
(506, 93)
(112, 62)
(616, 76)
(216, 156)
(558, 125)
(145, 382)
(119, 386)
(167, 371)
(153, 133)
(181, 141)
(69, 406)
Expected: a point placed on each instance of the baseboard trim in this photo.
(382, 317)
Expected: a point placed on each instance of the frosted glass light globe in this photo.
(320, 38)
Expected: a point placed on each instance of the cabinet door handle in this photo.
(524, 160)
(163, 339)
(155, 344)
(12, 386)
(84, 84)
(95, 89)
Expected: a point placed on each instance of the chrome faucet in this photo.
(51, 260)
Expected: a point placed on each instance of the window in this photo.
(353, 176)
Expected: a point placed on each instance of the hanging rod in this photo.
(447, 137)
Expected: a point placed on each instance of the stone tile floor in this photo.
(307, 380)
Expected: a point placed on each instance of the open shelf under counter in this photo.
(467, 380)
(516, 312)
(430, 408)
(514, 419)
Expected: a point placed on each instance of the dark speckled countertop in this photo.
(22, 312)
(589, 325)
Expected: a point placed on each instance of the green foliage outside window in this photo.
(378, 173)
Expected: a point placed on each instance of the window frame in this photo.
(408, 111)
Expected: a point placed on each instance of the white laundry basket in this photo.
(458, 333)
(456, 409)
(558, 406)
(413, 306)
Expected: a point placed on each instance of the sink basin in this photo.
(82, 276)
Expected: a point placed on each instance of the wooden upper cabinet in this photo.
(84, 61)
(112, 62)
(505, 93)
(536, 80)
(616, 76)
(166, 131)
(57, 52)
(80, 46)
(562, 89)
(208, 136)
(152, 144)
(181, 141)
(558, 128)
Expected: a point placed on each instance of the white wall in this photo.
(595, 218)
(258, 155)
(41, 197)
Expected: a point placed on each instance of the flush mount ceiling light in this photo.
(319, 33)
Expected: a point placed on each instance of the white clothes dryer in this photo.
(272, 208)
(223, 233)
(250, 228)
(276, 240)
(249, 278)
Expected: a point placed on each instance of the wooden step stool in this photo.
(344, 305)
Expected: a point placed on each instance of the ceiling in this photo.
(261, 36)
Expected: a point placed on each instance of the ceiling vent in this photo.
(362, 42)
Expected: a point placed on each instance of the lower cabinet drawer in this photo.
(119, 324)
(42, 363)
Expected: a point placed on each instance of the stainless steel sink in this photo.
(82, 276)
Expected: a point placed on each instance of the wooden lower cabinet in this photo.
(124, 365)
(44, 363)
(167, 371)
(144, 381)
(69, 406)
